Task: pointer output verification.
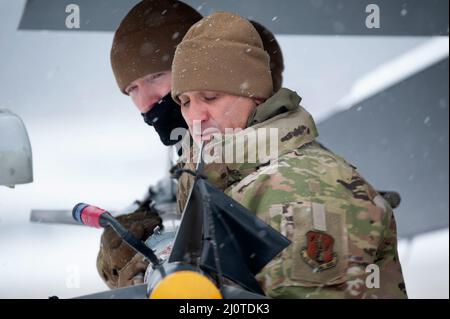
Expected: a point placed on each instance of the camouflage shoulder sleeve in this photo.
(391, 283)
(339, 227)
(375, 240)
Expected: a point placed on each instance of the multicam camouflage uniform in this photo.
(342, 230)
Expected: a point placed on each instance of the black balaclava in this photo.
(166, 116)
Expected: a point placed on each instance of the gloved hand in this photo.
(117, 263)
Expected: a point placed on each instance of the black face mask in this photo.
(166, 116)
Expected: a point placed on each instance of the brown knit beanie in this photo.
(272, 47)
(222, 52)
(147, 37)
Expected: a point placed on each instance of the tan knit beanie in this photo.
(147, 37)
(222, 52)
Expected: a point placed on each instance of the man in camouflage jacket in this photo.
(343, 233)
(141, 59)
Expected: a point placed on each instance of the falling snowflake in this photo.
(262, 234)
(338, 27)
(165, 57)
(200, 7)
(443, 103)
(175, 35)
(244, 86)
